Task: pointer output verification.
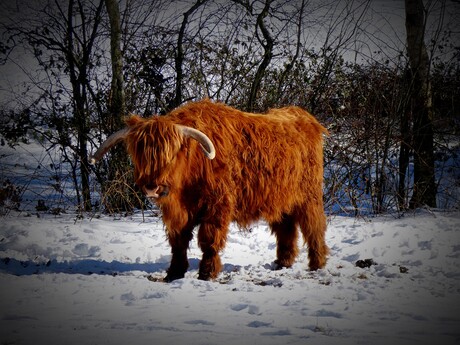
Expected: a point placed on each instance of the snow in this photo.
(65, 280)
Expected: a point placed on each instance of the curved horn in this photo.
(205, 142)
(107, 144)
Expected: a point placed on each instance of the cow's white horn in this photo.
(206, 143)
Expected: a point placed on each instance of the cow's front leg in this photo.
(179, 242)
(211, 239)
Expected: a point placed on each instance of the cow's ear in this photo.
(133, 119)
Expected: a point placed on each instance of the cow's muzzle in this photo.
(156, 192)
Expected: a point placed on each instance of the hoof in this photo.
(278, 265)
(171, 277)
(204, 276)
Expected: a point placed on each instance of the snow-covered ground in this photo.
(96, 281)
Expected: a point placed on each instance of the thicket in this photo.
(251, 55)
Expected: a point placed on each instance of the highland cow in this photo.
(206, 165)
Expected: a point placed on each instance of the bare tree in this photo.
(290, 64)
(117, 99)
(266, 41)
(64, 38)
(421, 99)
(78, 72)
(180, 54)
(118, 195)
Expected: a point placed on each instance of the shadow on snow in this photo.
(85, 267)
(114, 268)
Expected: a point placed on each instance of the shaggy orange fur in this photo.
(267, 166)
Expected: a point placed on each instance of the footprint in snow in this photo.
(238, 307)
(83, 249)
(252, 309)
(258, 324)
(200, 322)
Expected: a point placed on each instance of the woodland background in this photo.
(383, 76)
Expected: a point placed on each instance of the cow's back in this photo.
(265, 164)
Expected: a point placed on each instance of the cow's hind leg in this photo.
(211, 239)
(312, 221)
(286, 241)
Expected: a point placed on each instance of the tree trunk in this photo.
(118, 195)
(404, 155)
(179, 58)
(117, 100)
(78, 72)
(424, 183)
(267, 57)
(290, 65)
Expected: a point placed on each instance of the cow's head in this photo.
(155, 146)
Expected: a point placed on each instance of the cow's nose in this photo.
(155, 192)
(151, 191)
